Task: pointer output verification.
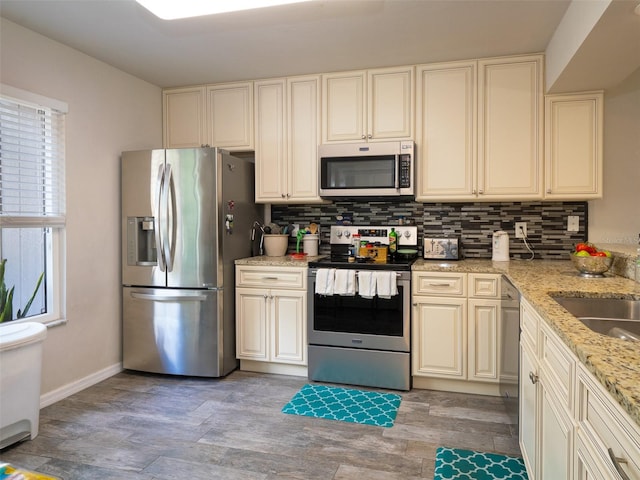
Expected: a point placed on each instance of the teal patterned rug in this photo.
(345, 404)
(456, 464)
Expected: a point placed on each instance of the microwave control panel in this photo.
(405, 171)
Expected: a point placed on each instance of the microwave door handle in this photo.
(397, 184)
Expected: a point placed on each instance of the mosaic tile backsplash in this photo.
(474, 223)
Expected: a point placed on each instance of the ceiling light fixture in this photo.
(174, 9)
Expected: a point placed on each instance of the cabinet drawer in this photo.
(484, 286)
(558, 365)
(607, 426)
(269, 277)
(440, 284)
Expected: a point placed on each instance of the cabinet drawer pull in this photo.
(533, 377)
(616, 463)
(439, 284)
(269, 278)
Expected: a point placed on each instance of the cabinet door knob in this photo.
(364, 137)
(533, 377)
(282, 195)
(370, 136)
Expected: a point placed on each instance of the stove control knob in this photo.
(338, 233)
(347, 234)
(407, 234)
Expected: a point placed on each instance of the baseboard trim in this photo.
(63, 392)
(277, 368)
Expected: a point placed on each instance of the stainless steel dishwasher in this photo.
(510, 346)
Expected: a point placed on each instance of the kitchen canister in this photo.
(275, 245)
(500, 246)
(310, 244)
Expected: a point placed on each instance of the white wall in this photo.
(616, 217)
(109, 111)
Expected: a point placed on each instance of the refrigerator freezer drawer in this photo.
(175, 331)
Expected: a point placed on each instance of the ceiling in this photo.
(319, 36)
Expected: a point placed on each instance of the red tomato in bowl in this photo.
(599, 254)
(587, 247)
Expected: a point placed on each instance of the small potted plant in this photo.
(6, 297)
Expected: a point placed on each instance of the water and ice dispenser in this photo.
(141, 241)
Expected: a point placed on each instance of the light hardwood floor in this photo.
(139, 426)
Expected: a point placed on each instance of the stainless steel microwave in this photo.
(367, 169)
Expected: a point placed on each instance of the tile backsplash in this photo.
(474, 223)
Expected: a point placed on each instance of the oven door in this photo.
(357, 322)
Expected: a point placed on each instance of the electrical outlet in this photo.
(521, 229)
(573, 223)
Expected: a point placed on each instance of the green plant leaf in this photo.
(22, 314)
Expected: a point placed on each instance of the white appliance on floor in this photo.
(21, 360)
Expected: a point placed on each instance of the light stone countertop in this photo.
(614, 362)
(286, 261)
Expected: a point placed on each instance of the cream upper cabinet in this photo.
(479, 129)
(214, 115)
(230, 116)
(270, 140)
(184, 117)
(372, 105)
(573, 145)
(287, 133)
(446, 105)
(510, 128)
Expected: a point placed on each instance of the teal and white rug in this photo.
(345, 404)
(456, 464)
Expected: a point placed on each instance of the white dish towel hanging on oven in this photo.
(386, 284)
(325, 279)
(344, 282)
(366, 284)
(383, 284)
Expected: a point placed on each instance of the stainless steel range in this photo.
(357, 336)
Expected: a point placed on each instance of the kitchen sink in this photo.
(615, 317)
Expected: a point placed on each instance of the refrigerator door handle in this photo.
(158, 217)
(169, 298)
(167, 221)
(172, 217)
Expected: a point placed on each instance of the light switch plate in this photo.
(573, 223)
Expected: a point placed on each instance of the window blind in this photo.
(32, 189)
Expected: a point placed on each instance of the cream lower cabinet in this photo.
(271, 307)
(547, 374)
(455, 334)
(607, 440)
(287, 134)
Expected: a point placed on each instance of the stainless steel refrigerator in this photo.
(186, 216)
